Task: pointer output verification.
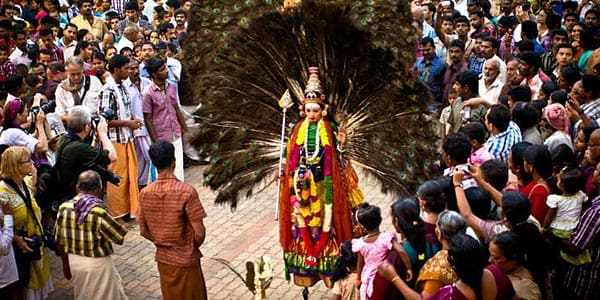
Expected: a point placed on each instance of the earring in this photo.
(323, 113)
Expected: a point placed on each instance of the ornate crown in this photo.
(313, 92)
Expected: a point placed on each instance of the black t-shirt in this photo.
(75, 159)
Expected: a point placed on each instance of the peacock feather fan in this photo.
(245, 56)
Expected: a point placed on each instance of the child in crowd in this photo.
(565, 211)
(344, 274)
(475, 132)
(445, 126)
(374, 247)
(6, 66)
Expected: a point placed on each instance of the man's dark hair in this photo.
(99, 56)
(563, 45)
(525, 46)
(591, 83)
(153, 65)
(458, 147)
(162, 154)
(13, 83)
(16, 33)
(164, 27)
(499, 116)
(125, 49)
(56, 67)
(45, 52)
(46, 31)
(495, 172)
(470, 80)
(477, 12)
(427, 40)
(462, 19)
(72, 25)
(117, 61)
(91, 2)
(520, 93)
(457, 43)
(492, 41)
(508, 21)
(529, 29)
(474, 131)
(531, 59)
(574, 15)
(132, 5)
(89, 181)
(525, 115)
(560, 32)
(180, 11)
(571, 75)
(173, 3)
(592, 11)
(553, 21)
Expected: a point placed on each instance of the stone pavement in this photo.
(232, 236)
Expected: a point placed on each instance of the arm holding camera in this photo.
(105, 141)
(461, 200)
(40, 124)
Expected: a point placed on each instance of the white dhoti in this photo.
(95, 278)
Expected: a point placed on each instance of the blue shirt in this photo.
(499, 145)
(432, 74)
(476, 63)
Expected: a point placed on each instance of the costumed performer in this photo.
(318, 191)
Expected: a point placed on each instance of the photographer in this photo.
(16, 113)
(17, 188)
(76, 152)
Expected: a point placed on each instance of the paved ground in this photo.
(232, 236)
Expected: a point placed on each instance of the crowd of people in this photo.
(90, 115)
(515, 88)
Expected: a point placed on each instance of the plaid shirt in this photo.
(476, 63)
(583, 280)
(114, 96)
(499, 145)
(93, 237)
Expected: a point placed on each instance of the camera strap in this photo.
(86, 87)
(27, 199)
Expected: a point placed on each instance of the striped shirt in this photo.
(499, 145)
(114, 96)
(168, 208)
(93, 237)
(582, 280)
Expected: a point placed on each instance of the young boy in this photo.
(6, 66)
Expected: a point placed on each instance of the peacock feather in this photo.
(242, 56)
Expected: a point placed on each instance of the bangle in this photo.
(458, 185)
(358, 282)
(395, 278)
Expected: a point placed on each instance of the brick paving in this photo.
(232, 236)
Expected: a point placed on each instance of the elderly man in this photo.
(77, 89)
(85, 232)
(490, 84)
(129, 37)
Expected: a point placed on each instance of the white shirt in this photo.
(174, 66)
(491, 93)
(64, 98)
(124, 42)
(68, 50)
(19, 57)
(568, 210)
(8, 265)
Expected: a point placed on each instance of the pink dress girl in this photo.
(373, 254)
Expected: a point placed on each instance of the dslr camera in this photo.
(108, 114)
(47, 107)
(35, 243)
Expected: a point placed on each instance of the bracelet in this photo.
(458, 185)
(358, 282)
(395, 278)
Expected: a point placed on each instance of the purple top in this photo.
(161, 107)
